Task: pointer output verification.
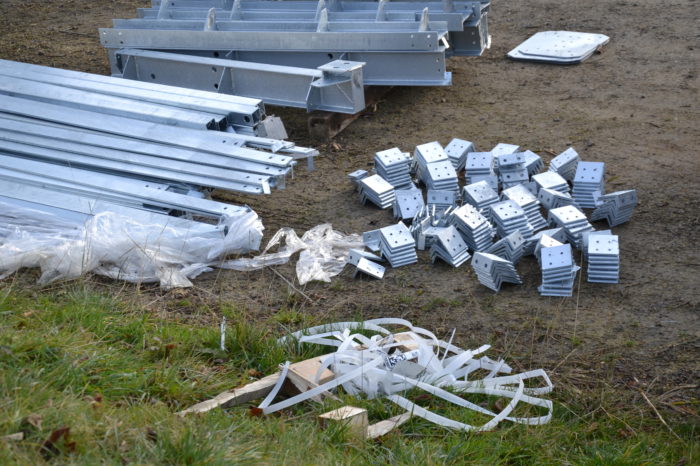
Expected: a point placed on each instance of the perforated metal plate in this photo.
(503, 148)
(564, 45)
(431, 152)
(377, 184)
(589, 172)
(556, 257)
(397, 236)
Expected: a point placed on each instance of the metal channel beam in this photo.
(110, 187)
(129, 164)
(90, 101)
(335, 87)
(384, 27)
(133, 150)
(268, 11)
(240, 110)
(93, 206)
(200, 105)
(263, 40)
(209, 141)
(381, 68)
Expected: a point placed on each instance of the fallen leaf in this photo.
(151, 435)
(33, 420)
(255, 373)
(49, 448)
(255, 412)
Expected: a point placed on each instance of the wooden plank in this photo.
(386, 426)
(302, 375)
(324, 126)
(252, 391)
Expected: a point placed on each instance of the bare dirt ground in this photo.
(635, 107)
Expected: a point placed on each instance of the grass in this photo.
(114, 373)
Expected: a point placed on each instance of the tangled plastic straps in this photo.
(376, 366)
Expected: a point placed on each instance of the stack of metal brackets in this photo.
(603, 259)
(397, 245)
(529, 203)
(558, 271)
(492, 271)
(511, 247)
(510, 217)
(616, 208)
(80, 143)
(565, 163)
(479, 167)
(552, 199)
(376, 190)
(550, 180)
(573, 221)
(449, 246)
(397, 43)
(589, 183)
(474, 227)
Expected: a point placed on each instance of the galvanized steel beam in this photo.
(334, 87)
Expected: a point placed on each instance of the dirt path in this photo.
(634, 107)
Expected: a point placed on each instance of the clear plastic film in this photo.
(162, 249)
(323, 254)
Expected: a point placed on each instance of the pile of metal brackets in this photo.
(499, 225)
(76, 141)
(310, 54)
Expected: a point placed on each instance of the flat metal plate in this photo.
(564, 45)
(556, 257)
(397, 236)
(431, 152)
(476, 160)
(589, 172)
(370, 268)
(377, 184)
(503, 148)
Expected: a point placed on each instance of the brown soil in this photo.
(635, 107)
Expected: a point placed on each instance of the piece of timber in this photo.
(250, 392)
(324, 126)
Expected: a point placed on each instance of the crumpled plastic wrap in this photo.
(324, 253)
(170, 252)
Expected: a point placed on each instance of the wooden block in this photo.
(252, 391)
(386, 426)
(354, 418)
(409, 344)
(324, 126)
(302, 375)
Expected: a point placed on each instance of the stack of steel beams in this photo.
(236, 46)
(84, 143)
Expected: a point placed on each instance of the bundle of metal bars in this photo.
(280, 51)
(74, 141)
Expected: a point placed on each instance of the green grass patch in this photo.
(115, 374)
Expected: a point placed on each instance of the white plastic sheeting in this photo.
(164, 249)
(324, 253)
(376, 367)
